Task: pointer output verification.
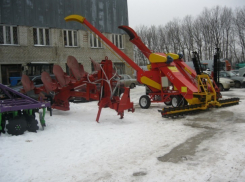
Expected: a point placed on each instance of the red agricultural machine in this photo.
(168, 78)
(101, 85)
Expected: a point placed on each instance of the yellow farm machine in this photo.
(168, 78)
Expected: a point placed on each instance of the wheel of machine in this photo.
(177, 101)
(32, 123)
(237, 85)
(132, 85)
(3, 123)
(221, 88)
(144, 102)
(168, 103)
(16, 125)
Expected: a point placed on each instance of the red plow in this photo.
(101, 85)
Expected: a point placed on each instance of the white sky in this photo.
(159, 12)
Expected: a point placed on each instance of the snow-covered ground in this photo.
(209, 146)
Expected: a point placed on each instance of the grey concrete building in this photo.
(34, 35)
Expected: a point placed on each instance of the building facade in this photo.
(34, 35)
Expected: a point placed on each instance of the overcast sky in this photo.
(159, 12)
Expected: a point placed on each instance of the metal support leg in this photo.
(41, 118)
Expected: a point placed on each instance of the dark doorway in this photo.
(10, 70)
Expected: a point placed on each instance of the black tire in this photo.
(3, 123)
(178, 101)
(32, 123)
(226, 89)
(17, 125)
(168, 103)
(221, 88)
(237, 84)
(132, 85)
(144, 102)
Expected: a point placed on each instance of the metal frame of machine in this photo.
(98, 85)
(186, 86)
(18, 110)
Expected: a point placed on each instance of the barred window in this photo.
(8, 35)
(120, 68)
(41, 36)
(95, 41)
(118, 40)
(70, 38)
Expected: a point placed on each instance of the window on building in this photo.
(37, 68)
(95, 41)
(118, 40)
(41, 36)
(8, 35)
(120, 68)
(70, 38)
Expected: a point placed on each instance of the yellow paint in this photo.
(175, 88)
(174, 56)
(193, 101)
(184, 89)
(173, 69)
(156, 58)
(149, 67)
(186, 69)
(150, 82)
(75, 18)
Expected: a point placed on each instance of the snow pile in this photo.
(141, 147)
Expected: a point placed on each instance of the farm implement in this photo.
(101, 85)
(168, 78)
(17, 112)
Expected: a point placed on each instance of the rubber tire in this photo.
(132, 85)
(221, 88)
(3, 124)
(32, 123)
(169, 103)
(237, 85)
(17, 125)
(176, 101)
(144, 102)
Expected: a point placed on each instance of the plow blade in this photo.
(48, 83)
(117, 104)
(61, 76)
(125, 103)
(27, 83)
(96, 65)
(190, 109)
(76, 69)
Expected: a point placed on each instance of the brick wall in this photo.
(56, 53)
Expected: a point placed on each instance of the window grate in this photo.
(41, 36)
(118, 40)
(70, 38)
(8, 35)
(95, 41)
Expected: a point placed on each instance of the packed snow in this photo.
(143, 146)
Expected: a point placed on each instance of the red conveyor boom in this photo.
(82, 20)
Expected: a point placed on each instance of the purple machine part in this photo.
(18, 101)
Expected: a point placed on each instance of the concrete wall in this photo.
(57, 53)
